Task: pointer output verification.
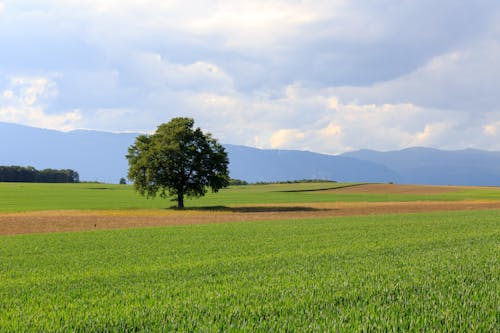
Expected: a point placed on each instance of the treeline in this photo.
(297, 181)
(242, 182)
(235, 182)
(29, 174)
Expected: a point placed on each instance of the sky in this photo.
(326, 76)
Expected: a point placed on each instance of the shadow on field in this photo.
(252, 209)
(322, 189)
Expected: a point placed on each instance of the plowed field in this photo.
(79, 220)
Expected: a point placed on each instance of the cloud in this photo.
(8, 94)
(259, 121)
(464, 79)
(153, 70)
(331, 130)
(254, 25)
(328, 76)
(31, 89)
(23, 103)
(330, 42)
(285, 137)
(35, 116)
(431, 133)
(492, 129)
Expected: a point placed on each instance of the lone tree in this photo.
(177, 160)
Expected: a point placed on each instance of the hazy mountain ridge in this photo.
(420, 165)
(95, 155)
(101, 156)
(255, 165)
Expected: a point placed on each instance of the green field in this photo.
(415, 272)
(408, 272)
(32, 197)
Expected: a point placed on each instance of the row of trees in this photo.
(29, 174)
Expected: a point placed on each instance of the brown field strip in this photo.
(68, 221)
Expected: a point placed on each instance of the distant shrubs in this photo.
(29, 174)
(297, 181)
(234, 182)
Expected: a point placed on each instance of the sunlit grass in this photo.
(415, 272)
(33, 197)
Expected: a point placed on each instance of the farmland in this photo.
(296, 267)
(15, 197)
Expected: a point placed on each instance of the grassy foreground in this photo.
(15, 197)
(415, 272)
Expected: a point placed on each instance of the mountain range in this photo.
(100, 156)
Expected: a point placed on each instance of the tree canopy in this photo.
(177, 161)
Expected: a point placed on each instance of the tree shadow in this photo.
(251, 209)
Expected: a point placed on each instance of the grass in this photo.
(33, 197)
(413, 272)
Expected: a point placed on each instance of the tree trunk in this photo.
(180, 200)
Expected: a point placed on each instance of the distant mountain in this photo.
(94, 155)
(432, 166)
(100, 156)
(255, 165)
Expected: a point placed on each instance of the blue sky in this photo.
(327, 76)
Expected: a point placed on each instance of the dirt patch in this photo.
(396, 189)
(67, 221)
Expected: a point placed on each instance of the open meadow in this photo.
(16, 197)
(281, 257)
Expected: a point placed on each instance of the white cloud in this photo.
(152, 69)
(492, 129)
(325, 75)
(303, 118)
(311, 122)
(331, 130)
(431, 133)
(333, 103)
(254, 24)
(31, 89)
(464, 79)
(285, 137)
(23, 103)
(8, 94)
(35, 116)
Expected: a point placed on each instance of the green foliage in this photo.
(237, 182)
(417, 272)
(177, 160)
(122, 181)
(29, 174)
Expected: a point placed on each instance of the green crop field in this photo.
(415, 272)
(32, 197)
(407, 272)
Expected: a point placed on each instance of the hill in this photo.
(96, 156)
(100, 156)
(256, 165)
(420, 165)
